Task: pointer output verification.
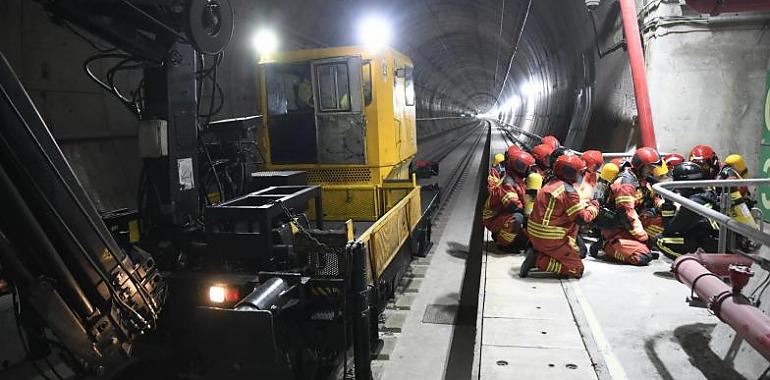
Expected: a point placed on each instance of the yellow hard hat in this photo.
(609, 172)
(736, 162)
(534, 181)
(498, 159)
(660, 171)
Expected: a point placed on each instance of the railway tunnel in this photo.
(487, 74)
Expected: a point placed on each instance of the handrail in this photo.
(579, 153)
(521, 130)
(664, 190)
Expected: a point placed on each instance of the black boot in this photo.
(593, 251)
(529, 263)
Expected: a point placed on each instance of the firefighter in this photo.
(504, 210)
(607, 217)
(494, 181)
(734, 167)
(705, 157)
(551, 141)
(687, 231)
(553, 225)
(498, 163)
(632, 195)
(594, 160)
(542, 154)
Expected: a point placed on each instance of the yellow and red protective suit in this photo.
(627, 243)
(553, 228)
(504, 207)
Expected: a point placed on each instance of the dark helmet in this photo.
(569, 168)
(687, 171)
(558, 152)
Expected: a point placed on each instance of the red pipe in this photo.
(638, 73)
(715, 7)
(732, 308)
(719, 264)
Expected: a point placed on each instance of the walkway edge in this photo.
(606, 364)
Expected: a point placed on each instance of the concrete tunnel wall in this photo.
(707, 81)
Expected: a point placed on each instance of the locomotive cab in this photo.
(346, 116)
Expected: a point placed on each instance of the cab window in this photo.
(333, 87)
(289, 88)
(367, 80)
(409, 85)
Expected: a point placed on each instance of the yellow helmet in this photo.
(736, 162)
(498, 159)
(609, 172)
(660, 171)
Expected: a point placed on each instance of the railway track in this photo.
(448, 186)
(457, 156)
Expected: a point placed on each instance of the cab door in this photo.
(340, 123)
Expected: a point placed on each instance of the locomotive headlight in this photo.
(265, 41)
(217, 294)
(224, 295)
(374, 32)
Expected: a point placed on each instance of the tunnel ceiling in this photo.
(462, 49)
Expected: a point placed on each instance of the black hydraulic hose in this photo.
(21, 217)
(360, 292)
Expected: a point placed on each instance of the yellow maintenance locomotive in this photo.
(346, 116)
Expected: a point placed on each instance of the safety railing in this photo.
(726, 222)
(538, 138)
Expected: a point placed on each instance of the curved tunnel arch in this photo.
(462, 49)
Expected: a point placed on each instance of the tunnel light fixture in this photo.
(265, 41)
(374, 32)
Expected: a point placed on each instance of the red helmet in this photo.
(569, 168)
(645, 156)
(550, 140)
(706, 158)
(520, 162)
(673, 159)
(511, 150)
(594, 160)
(542, 154)
(619, 161)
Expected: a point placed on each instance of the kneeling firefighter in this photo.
(509, 202)
(608, 217)
(555, 220)
(632, 195)
(687, 231)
